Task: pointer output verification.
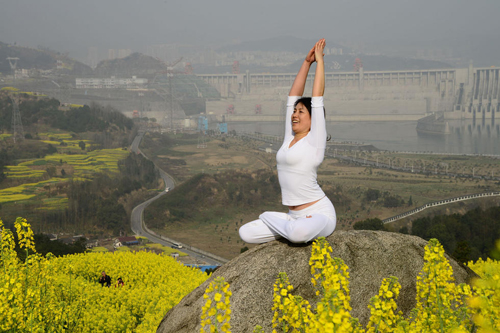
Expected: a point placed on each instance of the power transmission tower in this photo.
(13, 66)
(17, 125)
(169, 71)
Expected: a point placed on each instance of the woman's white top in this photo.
(298, 165)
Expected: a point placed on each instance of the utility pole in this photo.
(169, 75)
(142, 107)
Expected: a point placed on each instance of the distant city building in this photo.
(334, 51)
(111, 54)
(122, 53)
(164, 52)
(111, 83)
(22, 73)
(92, 56)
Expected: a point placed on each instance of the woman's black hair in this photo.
(307, 102)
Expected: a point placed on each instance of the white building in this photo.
(110, 83)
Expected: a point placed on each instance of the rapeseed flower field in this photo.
(441, 305)
(84, 166)
(49, 294)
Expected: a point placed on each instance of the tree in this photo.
(369, 224)
(372, 195)
(81, 144)
(391, 202)
(51, 149)
(410, 201)
(51, 170)
(462, 251)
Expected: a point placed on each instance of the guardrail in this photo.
(439, 203)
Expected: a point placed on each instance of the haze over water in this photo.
(466, 137)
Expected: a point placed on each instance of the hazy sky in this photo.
(73, 26)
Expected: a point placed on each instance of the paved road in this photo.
(138, 227)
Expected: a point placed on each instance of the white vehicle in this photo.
(167, 189)
(176, 246)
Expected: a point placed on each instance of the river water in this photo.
(466, 137)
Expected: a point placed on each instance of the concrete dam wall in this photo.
(384, 95)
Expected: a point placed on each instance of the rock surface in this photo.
(370, 255)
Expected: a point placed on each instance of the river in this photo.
(466, 137)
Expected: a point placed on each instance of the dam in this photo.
(461, 93)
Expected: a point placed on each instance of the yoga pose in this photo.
(311, 214)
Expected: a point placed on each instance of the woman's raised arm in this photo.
(319, 76)
(300, 80)
(317, 136)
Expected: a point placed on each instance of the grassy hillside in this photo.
(39, 58)
(135, 64)
(37, 110)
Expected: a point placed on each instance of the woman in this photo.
(311, 214)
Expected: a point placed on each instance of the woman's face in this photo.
(301, 119)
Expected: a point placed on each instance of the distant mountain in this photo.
(344, 62)
(336, 63)
(135, 64)
(483, 50)
(277, 44)
(386, 63)
(40, 58)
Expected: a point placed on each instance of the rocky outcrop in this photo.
(370, 255)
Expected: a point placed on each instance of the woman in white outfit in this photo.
(311, 214)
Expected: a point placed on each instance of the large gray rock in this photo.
(370, 255)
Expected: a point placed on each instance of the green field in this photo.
(25, 191)
(37, 176)
(22, 171)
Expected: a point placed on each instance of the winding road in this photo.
(139, 227)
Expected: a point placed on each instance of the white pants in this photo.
(298, 226)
